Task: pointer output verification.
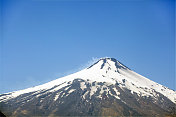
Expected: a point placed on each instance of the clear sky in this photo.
(42, 40)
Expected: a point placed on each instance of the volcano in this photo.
(106, 88)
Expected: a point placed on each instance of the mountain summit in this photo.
(110, 62)
(106, 88)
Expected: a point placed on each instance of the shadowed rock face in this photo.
(111, 95)
(1, 114)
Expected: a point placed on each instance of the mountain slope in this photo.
(106, 88)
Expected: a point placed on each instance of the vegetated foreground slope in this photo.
(107, 88)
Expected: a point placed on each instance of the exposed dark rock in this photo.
(1, 114)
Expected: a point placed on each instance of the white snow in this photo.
(117, 93)
(93, 90)
(67, 88)
(116, 96)
(57, 96)
(84, 96)
(72, 90)
(83, 85)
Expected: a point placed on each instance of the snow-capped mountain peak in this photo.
(108, 62)
(110, 71)
(105, 78)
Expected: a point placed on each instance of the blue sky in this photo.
(42, 40)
